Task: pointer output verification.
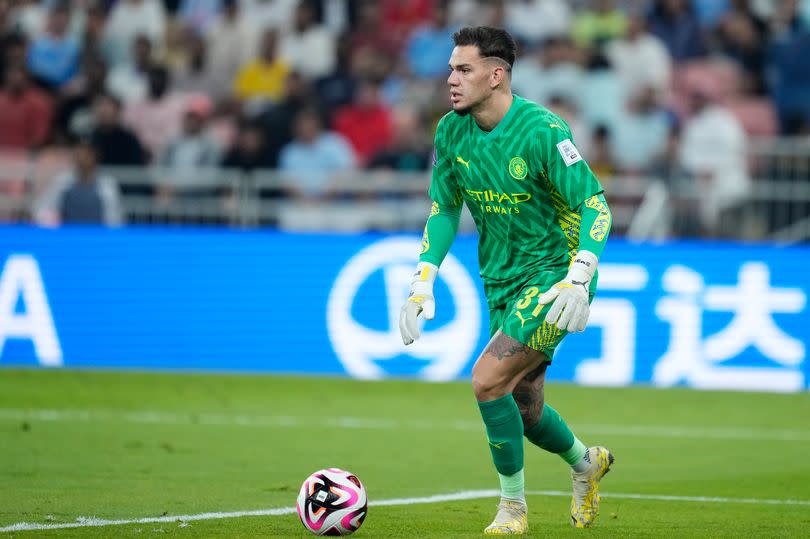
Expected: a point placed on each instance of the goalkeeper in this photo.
(542, 222)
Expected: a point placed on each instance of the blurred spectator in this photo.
(25, 111)
(786, 18)
(313, 155)
(533, 21)
(373, 64)
(232, 41)
(28, 17)
(337, 88)
(430, 46)
(262, 79)
(74, 116)
(53, 57)
(129, 19)
(129, 81)
(554, 70)
(198, 15)
(493, 14)
(595, 27)
(81, 195)
(14, 50)
(741, 36)
(566, 108)
(709, 12)
(116, 144)
(336, 15)
(400, 18)
(308, 47)
(600, 157)
(667, 166)
(369, 31)
(277, 120)
(641, 59)
(5, 11)
(269, 13)
(640, 137)
(157, 118)
(366, 123)
(477, 13)
(92, 37)
(603, 95)
(193, 76)
(192, 154)
(402, 88)
(712, 150)
(249, 152)
(408, 151)
(790, 68)
(675, 23)
(464, 12)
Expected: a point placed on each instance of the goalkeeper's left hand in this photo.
(571, 309)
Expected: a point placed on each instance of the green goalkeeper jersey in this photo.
(522, 182)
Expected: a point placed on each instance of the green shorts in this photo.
(523, 318)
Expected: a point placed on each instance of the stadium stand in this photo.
(372, 63)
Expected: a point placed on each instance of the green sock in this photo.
(552, 434)
(505, 433)
(575, 455)
(512, 486)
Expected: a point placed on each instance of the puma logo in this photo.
(522, 320)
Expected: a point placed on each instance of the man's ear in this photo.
(497, 77)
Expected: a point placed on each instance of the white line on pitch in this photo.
(344, 422)
(88, 522)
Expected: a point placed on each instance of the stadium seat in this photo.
(14, 170)
(49, 163)
(718, 78)
(757, 115)
(14, 173)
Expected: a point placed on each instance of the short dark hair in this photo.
(491, 42)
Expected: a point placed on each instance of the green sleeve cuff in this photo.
(595, 225)
(440, 231)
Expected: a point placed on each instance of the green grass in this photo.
(233, 443)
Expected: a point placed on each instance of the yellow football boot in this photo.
(585, 501)
(511, 519)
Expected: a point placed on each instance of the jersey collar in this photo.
(492, 135)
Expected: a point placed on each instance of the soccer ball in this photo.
(332, 502)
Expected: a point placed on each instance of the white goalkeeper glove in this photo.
(420, 300)
(571, 309)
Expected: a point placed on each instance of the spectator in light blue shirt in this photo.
(54, 56)
(640, 137)
(313, 155)
(430, 46)
(199, 14)
(710, 12)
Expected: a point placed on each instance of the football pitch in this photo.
(215, 455)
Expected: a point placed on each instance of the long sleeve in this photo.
(440, 231)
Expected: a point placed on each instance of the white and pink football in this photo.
(332, 502)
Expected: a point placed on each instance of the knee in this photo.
(488, 387)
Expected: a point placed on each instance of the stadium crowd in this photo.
(650, 88)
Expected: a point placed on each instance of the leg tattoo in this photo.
(529, 396)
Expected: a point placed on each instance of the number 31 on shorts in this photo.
(527, 298)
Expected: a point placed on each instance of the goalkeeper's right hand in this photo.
(420, 300)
